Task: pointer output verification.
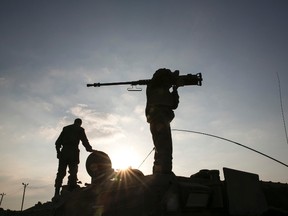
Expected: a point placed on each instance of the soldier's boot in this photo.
(158, 169)
(56, 194)
(57, 191)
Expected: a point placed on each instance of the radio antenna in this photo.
(281, 104)
(146, 157)
(218, 137)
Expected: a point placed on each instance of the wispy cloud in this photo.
(102, 124)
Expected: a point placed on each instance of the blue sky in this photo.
(50, 50)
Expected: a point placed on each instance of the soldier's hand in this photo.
(91, 150)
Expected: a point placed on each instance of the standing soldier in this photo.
(68, 153)
(159, 113)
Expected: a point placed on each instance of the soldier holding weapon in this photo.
(159, 113)
(159, 110)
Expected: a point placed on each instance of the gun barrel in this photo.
(182, 80)
(139, 82)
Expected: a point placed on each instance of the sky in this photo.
(50, 50)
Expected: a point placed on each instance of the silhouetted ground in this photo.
(276, 196)
(45, 209)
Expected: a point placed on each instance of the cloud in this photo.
(48, 133)
(101, 124)
(3, 81)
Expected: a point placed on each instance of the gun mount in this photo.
(181, 80)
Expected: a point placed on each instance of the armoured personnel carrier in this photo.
(131, 193)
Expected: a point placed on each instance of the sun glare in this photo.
(124, 158)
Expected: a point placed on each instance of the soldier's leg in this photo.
(62, 166)
(72, 179)
(161, 134)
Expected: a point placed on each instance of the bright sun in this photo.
(124, 158)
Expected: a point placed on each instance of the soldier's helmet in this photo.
(78, 121)
(163, 77)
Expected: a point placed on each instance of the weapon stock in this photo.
(182, 80)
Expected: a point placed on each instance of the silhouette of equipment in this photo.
(99, 166)
(181, 80)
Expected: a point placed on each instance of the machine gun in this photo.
(181, 80)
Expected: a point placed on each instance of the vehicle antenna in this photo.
(218, 137)
(281, 104)
(146, 157)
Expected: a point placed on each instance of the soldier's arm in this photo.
(85, 141)
(58, 143)
(175, 97)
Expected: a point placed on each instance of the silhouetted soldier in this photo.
(159, 113)
(68, 153)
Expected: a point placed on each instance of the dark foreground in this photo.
(131, 193)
